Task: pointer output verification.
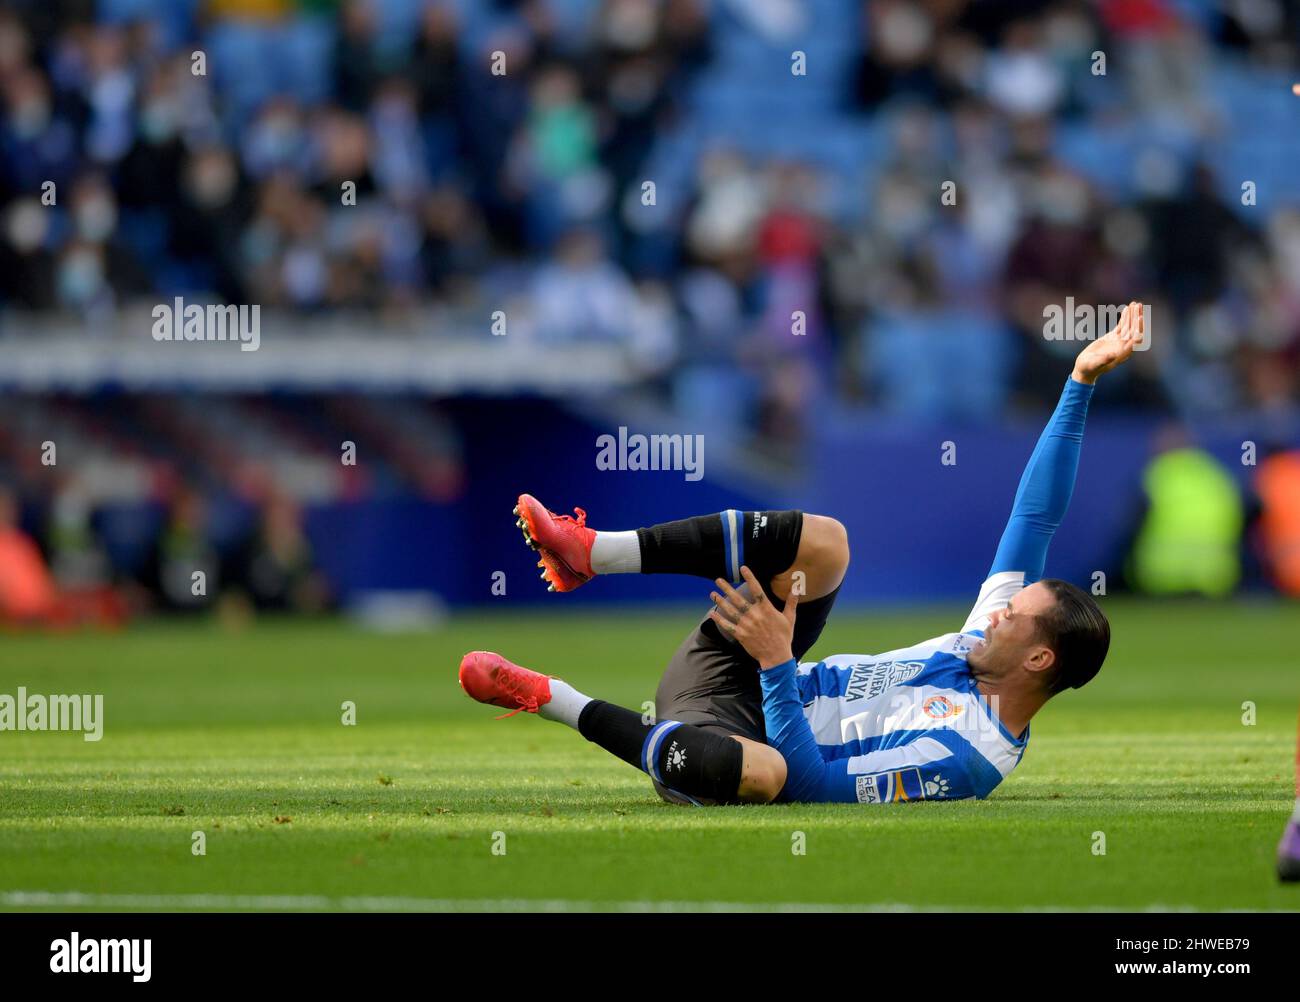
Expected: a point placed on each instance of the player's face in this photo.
(1012, 634)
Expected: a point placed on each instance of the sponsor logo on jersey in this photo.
(868, 790)
(893, 787)
(940, 708)
(873, 678)
(963, 644)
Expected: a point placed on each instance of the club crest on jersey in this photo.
(940, 708)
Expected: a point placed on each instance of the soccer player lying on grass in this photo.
(740, 720)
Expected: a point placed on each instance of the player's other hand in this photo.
(1113, 348)
(764, 631)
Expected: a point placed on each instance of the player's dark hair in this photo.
(1077, 631)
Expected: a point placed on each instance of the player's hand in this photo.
(762, 630)
(1113, 348)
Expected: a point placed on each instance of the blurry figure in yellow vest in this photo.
(1277, 488)
(1190, 538)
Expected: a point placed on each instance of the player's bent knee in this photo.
(823, 554)
(762, 772)
(837, 541)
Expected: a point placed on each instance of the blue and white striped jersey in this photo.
(911, 722)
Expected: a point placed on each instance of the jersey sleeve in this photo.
(996, 593)
(1040, 504)
(925, 769)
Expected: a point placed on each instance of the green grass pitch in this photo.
(239, 736)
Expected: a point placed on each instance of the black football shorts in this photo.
(712, 682)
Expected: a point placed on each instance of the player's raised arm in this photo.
(1048, 481)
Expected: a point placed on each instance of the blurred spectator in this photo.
(26, 263)
(358, 64)
(77, 559)
(582, 295)
(274, 568)
(182, 571)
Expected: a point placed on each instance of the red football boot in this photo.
(491, 679)
(563, 543)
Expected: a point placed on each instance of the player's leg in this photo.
(711, 682)
(776, 546)
(1288, 851)
(696, 763)
(822, 558)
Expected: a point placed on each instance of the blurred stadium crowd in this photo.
(773, 192)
